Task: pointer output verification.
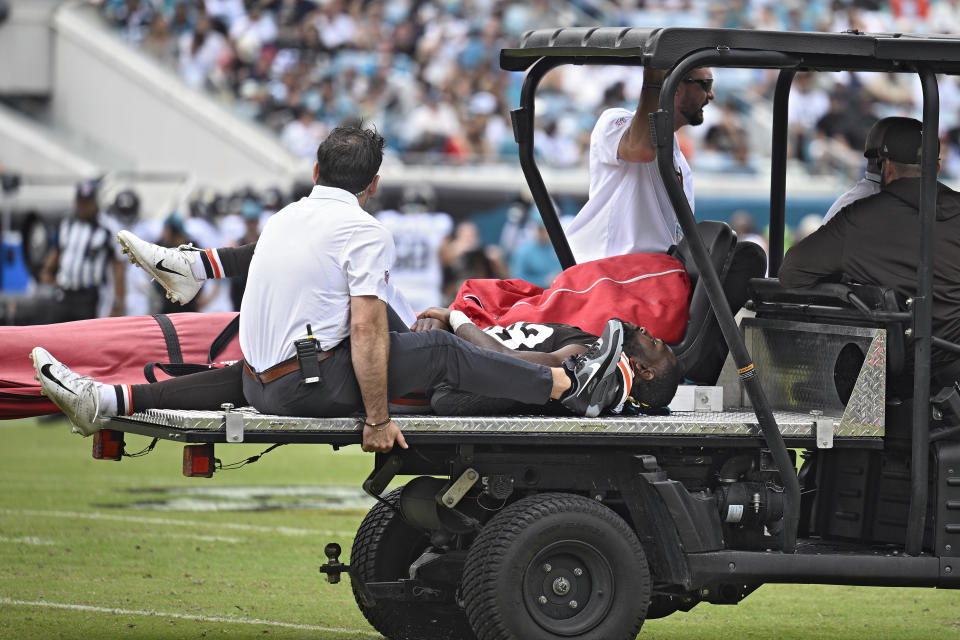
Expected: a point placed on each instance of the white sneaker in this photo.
(76, 395)
(172, 268)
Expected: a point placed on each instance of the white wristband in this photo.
(458, 319)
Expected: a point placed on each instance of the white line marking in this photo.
(186, 536)
(27, 540)
(183, 616)
(96, 515)
(124, 534)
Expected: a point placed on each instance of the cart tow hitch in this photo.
(334, 567)
(408, 590)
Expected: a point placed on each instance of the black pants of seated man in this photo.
(418, 361)
(209, 390)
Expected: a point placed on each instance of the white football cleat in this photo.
(172, 268)
(76, 395)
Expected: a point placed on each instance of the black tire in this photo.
(383, 550)
(556, 566)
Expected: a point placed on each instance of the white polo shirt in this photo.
(628, 210)
(312, 257)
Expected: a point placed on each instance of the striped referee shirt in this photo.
(86, 249)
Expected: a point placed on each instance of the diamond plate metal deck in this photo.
(725, 423)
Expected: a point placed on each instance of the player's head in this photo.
(656, 369)
(693, 94)
(349, 159)
(418, 198)
(126, 207)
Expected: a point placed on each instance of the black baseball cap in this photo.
(901, 142)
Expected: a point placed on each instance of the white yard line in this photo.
(123, 534)
(213, 525)
(181, 616)
(26, 540)
(183, 536)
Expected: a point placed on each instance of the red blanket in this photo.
(112, 350)
(648, 289)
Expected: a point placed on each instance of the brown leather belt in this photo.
(280, 370)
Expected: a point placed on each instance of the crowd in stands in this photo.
(426, 73)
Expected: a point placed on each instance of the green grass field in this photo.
(93, 549)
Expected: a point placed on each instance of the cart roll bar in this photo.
(922, 312)
(778, 169)
(661, 124)
(523, 120)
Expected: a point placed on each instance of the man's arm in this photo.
(370, 351)
(636, 145)
(48, 273)
(816, 258)
(477, 336)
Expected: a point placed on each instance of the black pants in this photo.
(208, 390)
(203, 390)
(236, 260)
(418, 361)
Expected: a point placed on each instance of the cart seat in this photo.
(702, 350)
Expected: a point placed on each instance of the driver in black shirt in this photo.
(876, 240)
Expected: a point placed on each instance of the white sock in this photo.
(108, 399)
(198, 270)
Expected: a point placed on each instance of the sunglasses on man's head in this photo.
(705, 83)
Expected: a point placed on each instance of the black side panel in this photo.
(947, 533)
(865, 496)
(696, 517)
(653, 524)
(744, 567)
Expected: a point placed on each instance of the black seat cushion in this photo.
(702, 344)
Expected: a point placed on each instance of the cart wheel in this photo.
(556, 566)
(383, 550)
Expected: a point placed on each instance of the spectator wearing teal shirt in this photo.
(535, 259)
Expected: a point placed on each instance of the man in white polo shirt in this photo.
(320, 272)
(628, 210)
(317, 334)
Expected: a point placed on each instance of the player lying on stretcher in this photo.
(601, 372)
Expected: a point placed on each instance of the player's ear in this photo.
(643, 371)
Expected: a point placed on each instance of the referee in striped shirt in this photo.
(78, 263)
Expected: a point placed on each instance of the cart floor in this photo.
(740, 426)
